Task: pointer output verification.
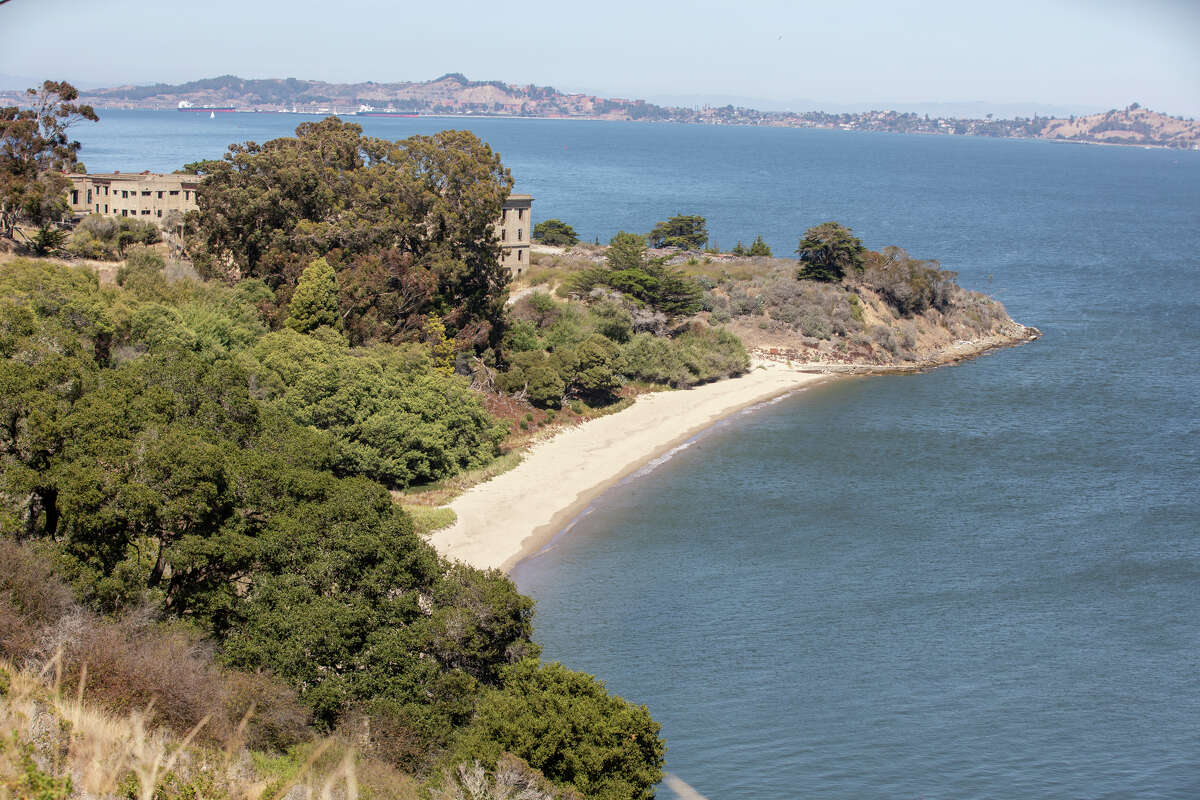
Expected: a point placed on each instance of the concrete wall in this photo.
(146, 196)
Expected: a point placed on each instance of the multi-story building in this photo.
(145, 195)
(151, 196)
(513, 230)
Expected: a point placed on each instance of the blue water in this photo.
(982, 581)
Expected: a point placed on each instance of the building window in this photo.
(89, 195)
(106, 208)
(160, 194)
(145, 212)
(145, 192)
(97, 208)
(124, 212)
(503, 235)
(520, 213)
(159, 212)
(124, 193)
(174, 193)
(187, 195)
(520, 253)
(74, 197)
(520, 233)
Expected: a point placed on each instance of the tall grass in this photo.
(55, 745)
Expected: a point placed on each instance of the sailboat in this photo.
(212, 115)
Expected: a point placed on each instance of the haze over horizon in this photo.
(1071, 56)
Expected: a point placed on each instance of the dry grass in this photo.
(56, 745)
(169, 675)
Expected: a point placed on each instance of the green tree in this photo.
(537, 376)
(315, 301)
(759, 248)
(591, 369)
(555, 232)
(567, 725)
(393, 417)
(739, 249)
(828, 252)
(35, 151)
(268, 210)
(684, 232)
(626, 251)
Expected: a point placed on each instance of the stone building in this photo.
(151, 196)
(513, 230)
(145, 195)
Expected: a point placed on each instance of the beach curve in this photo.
(515, 514)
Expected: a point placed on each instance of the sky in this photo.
(800, 54)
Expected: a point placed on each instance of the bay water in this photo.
(982, 581)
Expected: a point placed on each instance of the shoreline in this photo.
(503, 521)
(511, 517)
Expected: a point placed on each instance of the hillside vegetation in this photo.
(895, 311)
(201, 461)
(201, 481)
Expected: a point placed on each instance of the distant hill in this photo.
(454, 93)
(1133, 125)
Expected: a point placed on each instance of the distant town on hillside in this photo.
(454, 94)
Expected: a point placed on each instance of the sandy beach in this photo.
(516, 513)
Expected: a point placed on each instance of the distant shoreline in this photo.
(352, 116)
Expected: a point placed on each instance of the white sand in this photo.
(516, 513)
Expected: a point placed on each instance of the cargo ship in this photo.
(371, 111)
(184, 105)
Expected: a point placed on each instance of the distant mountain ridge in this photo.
(454, 93)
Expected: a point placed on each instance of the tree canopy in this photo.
(758, 247)
(555, 232)
(565, 724)
(684, 232)
(647, 280)
(828, 251)
(35, 151)
(168, 452)
(315, 301)
(410, 223)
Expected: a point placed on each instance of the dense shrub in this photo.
(555, 232)
(647, 281)
(107, 238)
(700, 354)
(393, 418)
(567, 726)
(134, 664)
(909, 285)
(534, 374)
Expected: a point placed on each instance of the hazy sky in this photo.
(1102, 53)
